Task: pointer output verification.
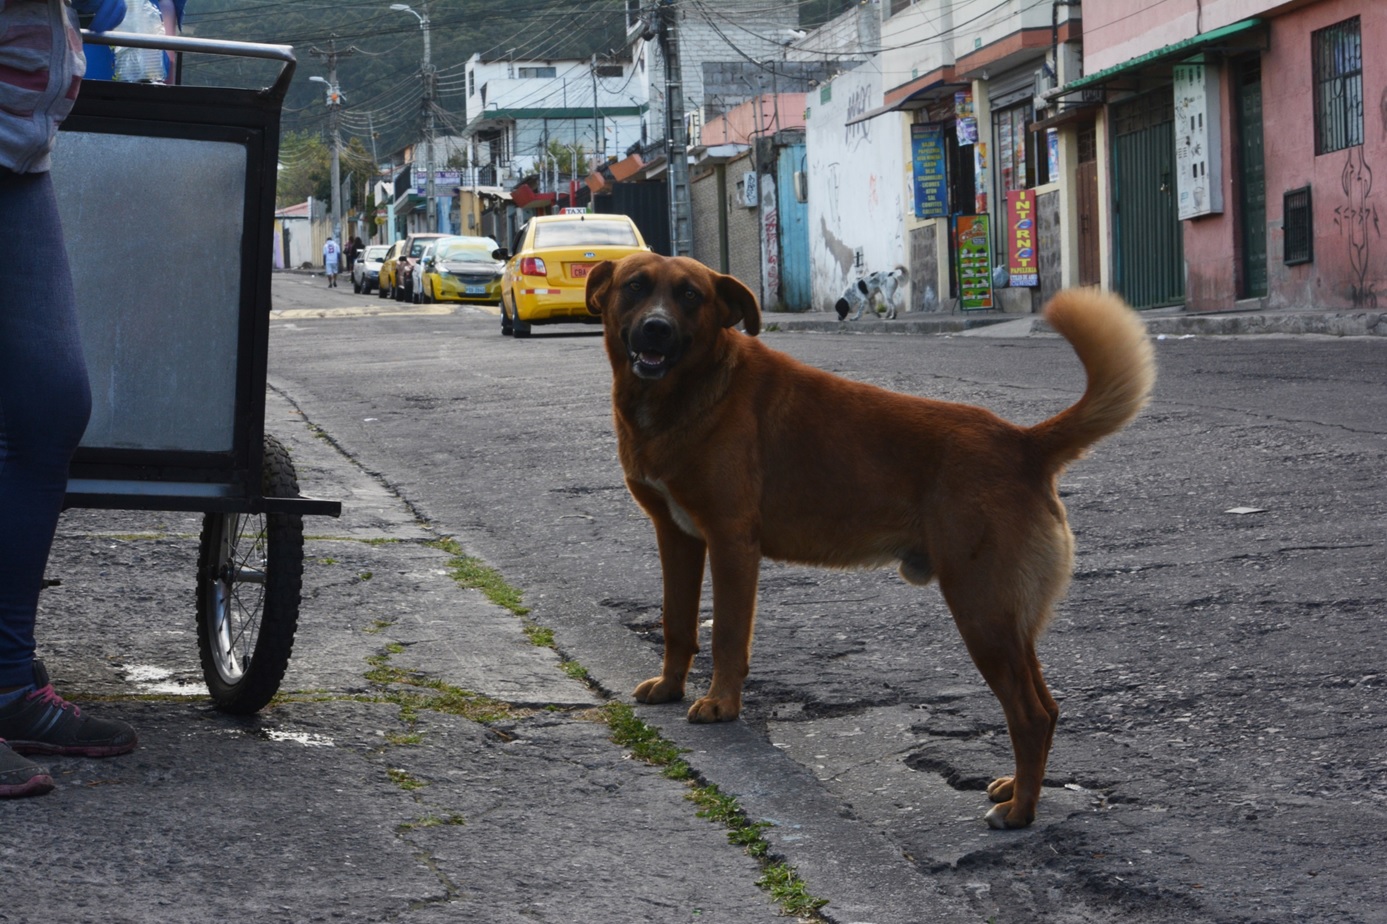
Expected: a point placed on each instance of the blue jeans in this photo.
(44, 405)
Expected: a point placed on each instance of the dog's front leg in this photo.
(736, 567)
(681, 562)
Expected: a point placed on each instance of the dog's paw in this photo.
(1000, 789)
(659, 690)
(1005, 815)
(715, 709)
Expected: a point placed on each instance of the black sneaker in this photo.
(21, 777)
(42, 722)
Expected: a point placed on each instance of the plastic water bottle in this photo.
(136, 65)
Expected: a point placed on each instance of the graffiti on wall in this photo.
(858, 103)
(1355, 219)
(770, 240)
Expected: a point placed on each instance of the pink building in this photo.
(1242, 150)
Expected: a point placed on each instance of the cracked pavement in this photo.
(1219, 755)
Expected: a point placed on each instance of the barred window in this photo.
(1296, 223)
(1338, 66)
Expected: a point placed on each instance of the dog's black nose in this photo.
(656, 332)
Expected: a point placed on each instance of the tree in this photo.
(305, 167)
(573, 162)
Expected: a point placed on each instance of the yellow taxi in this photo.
(546, 274)
(390, 270)
(462, 269)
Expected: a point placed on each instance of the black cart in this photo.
(167, 197)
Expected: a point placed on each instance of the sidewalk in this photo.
(428, 759)
(1170, 322)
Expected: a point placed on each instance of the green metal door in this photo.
(1150, 268)
(1252, 180)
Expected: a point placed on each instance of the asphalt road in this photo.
(1219, 660)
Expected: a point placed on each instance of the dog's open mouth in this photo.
(653, 345)
(649, 364)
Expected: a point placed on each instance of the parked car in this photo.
(366, 269)
(546, 275)
(389, 270)
(409, 259)
(462, 269)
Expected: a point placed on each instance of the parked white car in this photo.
(366, 269)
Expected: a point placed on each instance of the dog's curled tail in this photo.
(1113, 344)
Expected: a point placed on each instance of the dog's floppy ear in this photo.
(599, 280)
(738, 304)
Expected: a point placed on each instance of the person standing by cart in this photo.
(45, 398)
(331, 255)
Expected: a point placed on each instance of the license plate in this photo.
(476, 290)
(579, 270)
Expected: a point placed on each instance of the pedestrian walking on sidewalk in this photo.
(331, 255)
(45, 399)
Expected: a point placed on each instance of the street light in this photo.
(334, 103)
(430, 206)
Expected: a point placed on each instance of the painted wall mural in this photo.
(859, 173)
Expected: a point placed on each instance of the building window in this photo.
(1338, 65)
(538, 72)
(1296, 218)
(471, 83)
(1022, 157)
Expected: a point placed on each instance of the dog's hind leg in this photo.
(1006, 658)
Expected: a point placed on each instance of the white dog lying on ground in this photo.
(862, 294)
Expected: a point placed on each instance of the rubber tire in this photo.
(382, 291)
(507, 327)
(356, 286)
(243, 677)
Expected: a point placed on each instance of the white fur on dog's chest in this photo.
(680, 515)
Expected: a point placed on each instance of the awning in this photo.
(1179, 49)
(1065, 115)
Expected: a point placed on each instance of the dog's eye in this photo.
(636, 284)
(689, 294)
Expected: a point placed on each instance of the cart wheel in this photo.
(249, 578)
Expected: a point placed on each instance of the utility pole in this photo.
(598, 149)
(334, 103)
(430, 205)
(677, 149)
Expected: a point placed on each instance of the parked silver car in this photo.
(366, 269)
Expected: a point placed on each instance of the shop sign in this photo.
(973, 245)
(927, 165)
(1022, 264)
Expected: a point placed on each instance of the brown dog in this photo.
(715, 430)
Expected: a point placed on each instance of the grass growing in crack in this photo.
(645, 743)
(431, 821)
(539, 636)
(789, 890)
(404, 779)
(474, 573)
(429, 694)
